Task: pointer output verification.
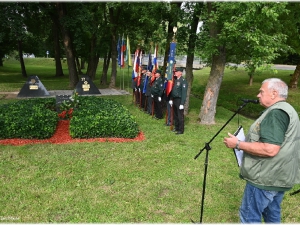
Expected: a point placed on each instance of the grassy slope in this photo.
(154, 181)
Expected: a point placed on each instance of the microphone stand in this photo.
(207, 148)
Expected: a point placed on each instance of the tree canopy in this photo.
(251, 33)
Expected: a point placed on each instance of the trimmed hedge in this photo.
(98, 117)
(28, 119)
(36, 118)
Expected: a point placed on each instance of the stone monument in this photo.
(33, 88)
(86, 86)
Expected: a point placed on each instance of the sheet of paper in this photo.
(239, 153)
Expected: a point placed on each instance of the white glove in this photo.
(171, 102)
(139, 90)
(181, 107)
(159, 99)
(151, 96)
(134, 89)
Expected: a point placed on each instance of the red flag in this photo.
(139, 69)
(123, 49)
(170, 83)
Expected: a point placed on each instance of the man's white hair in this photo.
(277, 85)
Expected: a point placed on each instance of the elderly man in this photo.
(270, 163)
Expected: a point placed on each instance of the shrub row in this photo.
(98, 117)
(28, 119)
(37, 118)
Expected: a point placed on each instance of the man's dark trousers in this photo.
(178, 115)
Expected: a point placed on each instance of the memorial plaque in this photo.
(33, 88)
(86, 86)
(60, 99)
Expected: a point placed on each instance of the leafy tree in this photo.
(291, 23)
(13, 23)
(230, 26)
(262, 38)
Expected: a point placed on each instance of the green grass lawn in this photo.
(153, 181)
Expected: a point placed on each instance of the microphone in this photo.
(254, 101)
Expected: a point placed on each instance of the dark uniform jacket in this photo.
(179, 89)
(157, 87)
(148, 87)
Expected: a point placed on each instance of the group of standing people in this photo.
(149, 92)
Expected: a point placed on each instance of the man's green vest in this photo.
(282, 170)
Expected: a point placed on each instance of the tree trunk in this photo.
(106, 62)
(58, 67)
(251, 73)
(78, 65)
(82, 65)
(295, 77)
(93, 60)
(113, 15)
(73, 76)
(209, 103)
(2, 56)
(190, 53)
(251, 79)
(24, 74)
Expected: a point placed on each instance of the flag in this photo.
(119, 51)
(155, 60)
(170, 69)
(128, 55)
(136, 62)
(149, 68)
(123, 49)
(139, 67)
(155, 64)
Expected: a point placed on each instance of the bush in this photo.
(97, 117)
(28, 118)
(37, 118)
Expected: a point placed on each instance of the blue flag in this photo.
(119, 51)
(171, 63)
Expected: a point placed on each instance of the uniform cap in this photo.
(179, 69)
(158, 71)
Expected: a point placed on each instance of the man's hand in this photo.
(230, 142)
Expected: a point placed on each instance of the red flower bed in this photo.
(62, 136)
